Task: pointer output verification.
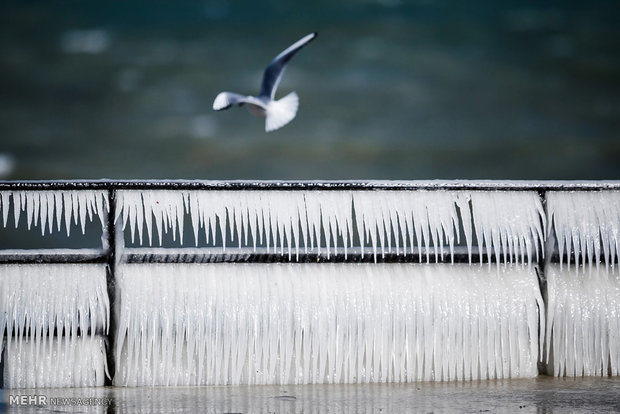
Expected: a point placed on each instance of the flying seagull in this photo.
(277, 112)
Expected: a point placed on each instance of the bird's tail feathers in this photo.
(281, 112)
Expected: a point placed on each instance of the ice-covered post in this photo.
(112, 240)
(544, 258)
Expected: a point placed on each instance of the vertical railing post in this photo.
(543, 260)
(110, 247)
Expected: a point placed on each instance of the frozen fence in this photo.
(418, 221)
(396, 291)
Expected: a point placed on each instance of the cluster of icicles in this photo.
(587, 224)
(44, 208)
(53, 317)
(228, 323)
(507, 225)
(325, 323)
(583, 322)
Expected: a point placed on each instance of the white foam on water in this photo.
(583, 322)
(41, 302)
(44, 208)
(324, 323)
(60, 362)
(587, 225)
(508, 226)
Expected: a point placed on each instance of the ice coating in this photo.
(325, 323)
(509, 226)
(422, 219)
(583, 322)
(586, 224)
(39, 303)
(48, 209)
(61, 362)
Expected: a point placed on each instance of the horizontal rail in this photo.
(474, 185)
(135, 256)
(245, 255)
(233, 255)
(262, 255)
(53, 256)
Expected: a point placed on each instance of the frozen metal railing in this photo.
(108, 250)
(113, 251)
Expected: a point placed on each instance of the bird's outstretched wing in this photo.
(225, 100)
(273, 73)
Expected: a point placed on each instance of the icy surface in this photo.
(583, 322)
(53, 210)
(60, 362)
(327, 323)
(586, 226)
(509, 226)
(534, 396)
(41, 302)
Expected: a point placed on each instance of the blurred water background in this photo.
(389, 90)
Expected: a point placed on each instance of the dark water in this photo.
(389, 89)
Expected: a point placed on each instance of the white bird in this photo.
(279, 112)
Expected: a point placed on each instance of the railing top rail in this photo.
(483, 185)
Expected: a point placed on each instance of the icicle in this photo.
(194, 214)
(58, 205)
(4, 205)
(313, 214)
(101, 201)
(43, 199)
(152, 208)
(179, 214)
(30, 208)
(463, 201)
(18, 205)
(303, 224)
(67, 210)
